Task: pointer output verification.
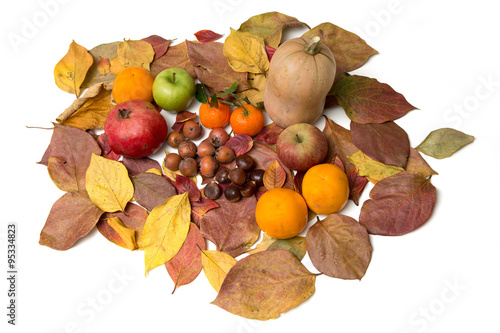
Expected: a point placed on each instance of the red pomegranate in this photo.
(135, 129)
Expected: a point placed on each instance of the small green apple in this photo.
(173, 89)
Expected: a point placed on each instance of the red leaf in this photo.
(357, 184)
(241, 143)
(366, 100)
(185, 266)
(181, 118)
(206, 36)
(159, 44)
(297, 181)
(200, 208)
(270, 52)
(387, 142)
(399, 204)
(137, 166)
(151, 190)
(102, 140)
(269, 133)
(184, 184)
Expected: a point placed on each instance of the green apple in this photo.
(173, 89)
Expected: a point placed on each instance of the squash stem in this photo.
(312, 47)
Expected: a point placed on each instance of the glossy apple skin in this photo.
(301, 146)
(173, 89)
(135, 129)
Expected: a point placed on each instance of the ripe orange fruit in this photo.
(133, 83)
(281, 213)
(247, 119)
(214, 117)
(325, 188)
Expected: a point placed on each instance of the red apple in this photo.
(301, 146)
(135, 129)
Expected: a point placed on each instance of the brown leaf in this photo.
(274, 176)
(206, 36)
(339, 247)
(104, 66)
(339, 142)
(133, 217)
(265, 284)
(270, 26)
(357, 184)
(418, 164)
(444, 142)
(350, 51)
(264, 157)
(232, 227)
(240, 143)
(185, 184)
(70, 151)
(295, 245)
(151, 190)
(269, 133)
(212, 68)
(366, 100)
(70, 218)
(137, 166)
(94, 76)
(185, 266)
(159, 44)
(200, 208)
(102, 140)
(89, 111)
(386, 142)
(70, 71)
(181, 118)
(399, 204)
(176, 56)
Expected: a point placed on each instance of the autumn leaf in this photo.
(274, 176)
(386, 142)
(160, 45)
(339, 142)
(103, 142)
(181, 118)
(89, 111)
(350, 51)
(269, 133)
(69, 156)
(70, 218)
(444, 142)
(246, 52)
(232, 226)
(116, 66)
(165, 230)
(136, 166)
(265, 284)
(372, 169)
(296, 245)
(186, 265)
(133, 217)
(175, 57)
(357, 184)
(95, 74)
(127, 235)
(104, 66)
(135, 53)
(339, 247)
(270, 26)
(206, 36)
(216, 265)
(151, 190)
(200, 208)
(71, 70)
(240, 143)
(184, 184)
(417, 163)
(108, 184)
(213, 69)
(398, 204)
(365, 100)
(255, 94)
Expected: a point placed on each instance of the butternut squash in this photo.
(300, 76)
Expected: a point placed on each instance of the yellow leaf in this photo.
(71, 70)
(135, 53)
(108, 184)
(155, 171)
(216, 265)
(246, 52)
(257, 84)
(90, 110)
(165, 230)
(374, 170)
(116, 66)
(126, 234)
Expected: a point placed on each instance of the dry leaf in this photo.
(89, 111)
(71, 70)
(151, 190)
(257, 84)
(104, 66)
(159, 44)
(444, 142)
(216, 265)
(246, 52)
(373, 170)
(176, 56)
(274, 176)
(108, 184)
(94, 75)
(165, 230)
(127, 235)
(135, 53)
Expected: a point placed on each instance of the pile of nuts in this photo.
(209, 159)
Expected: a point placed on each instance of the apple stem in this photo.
(298, 138)
(123, 113)
(173, 77)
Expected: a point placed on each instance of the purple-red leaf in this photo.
(269, 133)
(386, 142)
(270, 51)
(151, 190)
(399, 204)
(240, 143)
(206, 36)
(184, 184)
(137, 166)
(159, 44)
(365, 100)
(181, 118)
(200, 208)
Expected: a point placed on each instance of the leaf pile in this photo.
(139, 204)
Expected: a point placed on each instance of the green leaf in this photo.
(444, 142)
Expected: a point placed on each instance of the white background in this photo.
(440, 278)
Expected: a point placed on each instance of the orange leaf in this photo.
(275, 176)
(71, 70)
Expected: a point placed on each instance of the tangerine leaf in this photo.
(365, 100)
(70, 71)
(265, 284)
(71, 217)
(339, 247)
(444, 142)
(398, 204)
(165, 230)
